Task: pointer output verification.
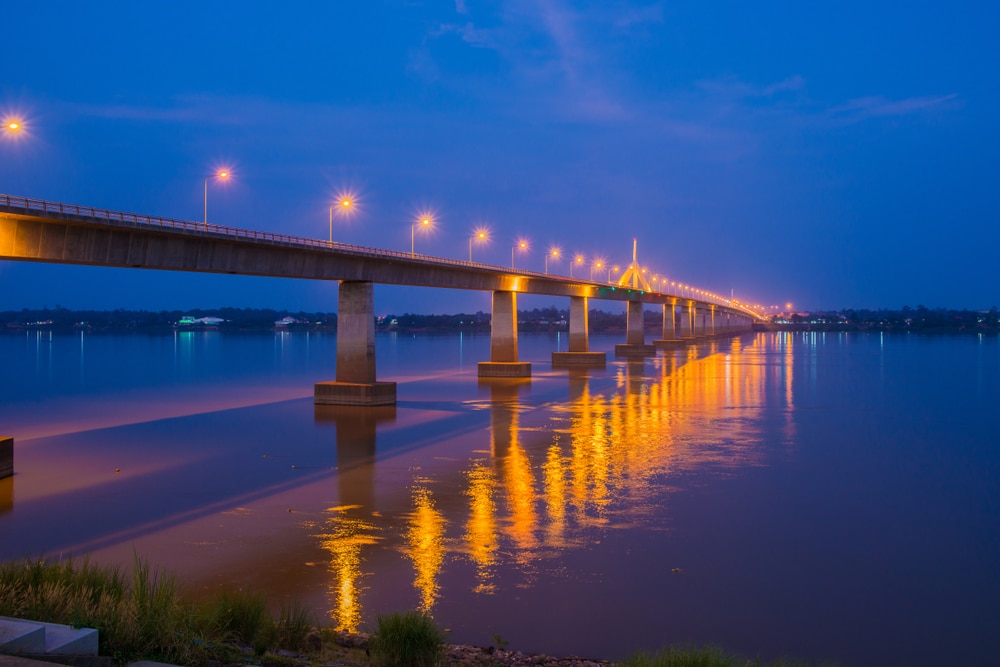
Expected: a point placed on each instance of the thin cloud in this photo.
(470, 34)
(734, 88)
(878, 106)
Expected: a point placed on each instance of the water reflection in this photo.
(481, 527)
(351, 526)
(6, 494)
(555, 472)
(425, 546)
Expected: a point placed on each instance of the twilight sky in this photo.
(830, 154)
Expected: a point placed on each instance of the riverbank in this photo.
(142, 616)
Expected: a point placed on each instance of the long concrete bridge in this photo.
(42, 231)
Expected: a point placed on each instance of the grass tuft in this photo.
(407, 639)
(143, 616)
(707, 656)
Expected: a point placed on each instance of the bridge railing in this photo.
(43, 206)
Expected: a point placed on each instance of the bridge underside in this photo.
(66, 238)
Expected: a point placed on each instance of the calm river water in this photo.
(827, 497)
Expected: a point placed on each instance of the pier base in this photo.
(579, 358)
(504, 369)
(669, 343)
(6, 457)
(634, 350)
(355, 393)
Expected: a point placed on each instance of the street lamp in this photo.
(221, 175)
(522, 245)
(480, 235)
(598, 264)
(13, 126)
(554, 253)
(578, 261)
(424, 220)
(344, 206)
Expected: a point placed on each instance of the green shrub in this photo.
(409, 639)
(242, 617)
(672, 657)
(697, 657)
(295, 622)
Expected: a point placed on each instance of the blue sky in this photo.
(826, 154)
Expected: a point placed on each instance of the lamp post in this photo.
(424, 220)
(344, 205)
(522, 245)
(578, 259)
(598, 264)
(221, 175)
(481, 235)
(554, 254)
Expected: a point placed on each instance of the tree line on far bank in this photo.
(549, 319)
(920, 318)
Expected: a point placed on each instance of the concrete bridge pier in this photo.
(503, 361)
(687, 329)
(635, 336)
(683, 323)
(698, 328)
(355, 383)
(669, 338)
(579, 338)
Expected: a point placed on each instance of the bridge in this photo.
(43, 231)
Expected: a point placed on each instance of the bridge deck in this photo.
(43, 231)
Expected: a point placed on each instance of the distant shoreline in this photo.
(545, 320)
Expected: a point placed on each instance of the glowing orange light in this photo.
(578, 259)
(223, 174)
(346, 203)
(13, 126)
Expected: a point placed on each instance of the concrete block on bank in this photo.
(64, 640)
(37, 638)
(669, 343)
(17, 636)
(354, 393)
(504, 369)
(579, 358)
(6, 457)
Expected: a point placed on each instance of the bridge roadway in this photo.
(42, 231)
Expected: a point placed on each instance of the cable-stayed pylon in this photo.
(633, 276)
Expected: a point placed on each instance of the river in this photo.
(820, 496)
